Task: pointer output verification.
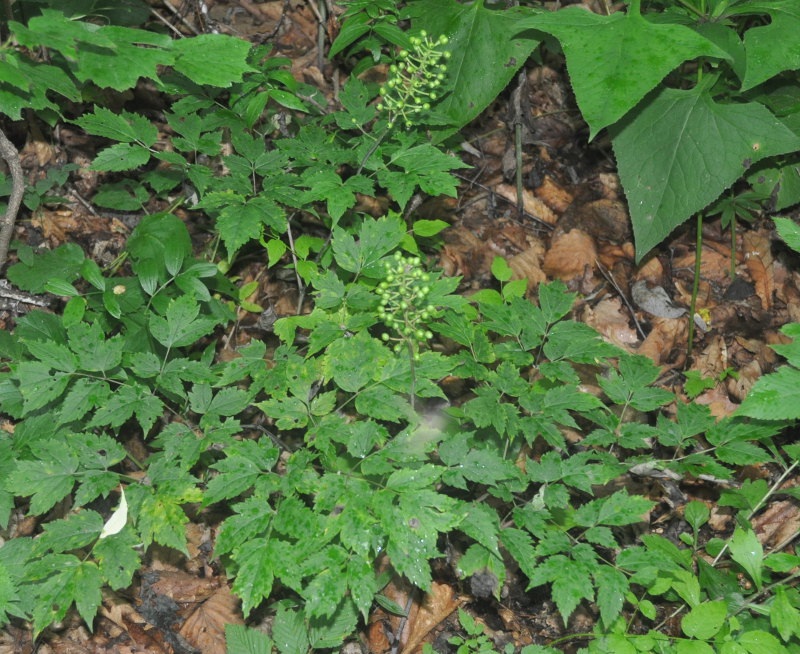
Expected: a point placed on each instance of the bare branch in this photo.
(10, 155)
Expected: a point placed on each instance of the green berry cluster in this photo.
(404, 306)
(415, 80)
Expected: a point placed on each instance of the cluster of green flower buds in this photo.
(415, 80)
(404, 307)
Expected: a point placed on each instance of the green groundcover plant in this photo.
(334, 476)
(357, 462)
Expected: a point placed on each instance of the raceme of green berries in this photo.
(415, 80)
(404, 306)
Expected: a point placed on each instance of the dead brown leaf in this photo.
(437, 604)
(205, 628)
(553, 194)
(464, 253)
(748, 374)
(718, 402)
(780, 522)
(55, 225)
(530, 203)
(605, 220)
(666, 335)
(713, 265)
(528, 264)
(570, 254)
(758, 258)
(612, 320)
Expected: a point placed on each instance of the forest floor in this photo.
(572, 225)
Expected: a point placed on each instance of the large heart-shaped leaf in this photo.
(486, 46)
(614, 61)
(679, 150)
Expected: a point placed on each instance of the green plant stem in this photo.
(767, 495)
(767, 589)
(371, 150)
(518, 153)
(412, 390)
(733, 246)
(698, 257)
(564, 639)
(692, 8)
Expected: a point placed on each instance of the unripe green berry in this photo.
(385, 336)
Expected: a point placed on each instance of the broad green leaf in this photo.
(623, 509)
(679, 150)
(775, 396)
(121, 156)
(129, 400)
(54, 30)
(70, 533)
(69, 580)
(748, 552)
(482, 524)
(423, 165)
(328, 633)
(32, 273)
(761, 642)
(148, 238)
(614, 61)
(181, 326)
(519, 546)
(705, 620)
(696, 514)
(686, 584)
(252, 517)
(95, 351)
(39, 385)
(124, 127)
(53, 354)
(486, 49)
(783, 615)
(213, 59)
(255, 577)
(571, 586)
(789, 231)
(501, 270)
(345, 358)
(239, 471)
(694, 647)
(244, 640)
(118, 558)
(376, 238)
(612, 586)
(780, 181)
(289, 632)
(160, 516)
(764, 59)
(427, 228)
(9, 597)
(62, 288)
(135, 53)
(239, 223)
